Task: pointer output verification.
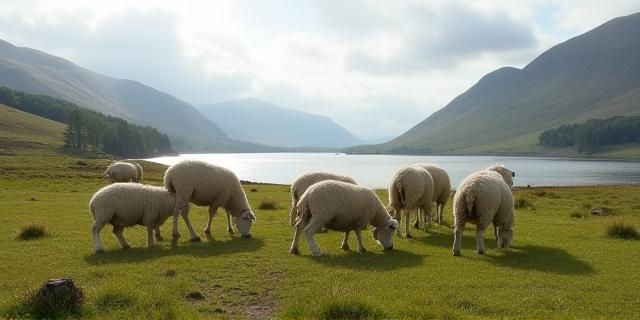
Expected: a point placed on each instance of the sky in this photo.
(375, 67)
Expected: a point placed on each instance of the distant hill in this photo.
(261, 122)
(36, 72)
(23, 131)
(594, 75)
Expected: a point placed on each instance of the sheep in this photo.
(342, 207)
(411, 188)
(303, 182)
(482, 198)
(441, 192)
(205, 184)
(124, 172)
(127, 204)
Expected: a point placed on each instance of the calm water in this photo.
(376, 170)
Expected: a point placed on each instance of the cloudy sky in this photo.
(375, 67)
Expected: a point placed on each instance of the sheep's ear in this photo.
(249, 215)
(513, 174)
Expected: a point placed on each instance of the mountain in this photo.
(21, 131)
(37, 72)
(261, 122)
(594, 75)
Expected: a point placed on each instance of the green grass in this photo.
(558, 267)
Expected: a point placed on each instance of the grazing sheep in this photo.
(343, 207)
(124, 172)
(441, 192)
(411, 188)
(206, 184)
(482, 198)
(303, 182)
(128, 204)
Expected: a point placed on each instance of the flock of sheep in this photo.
(320, 200)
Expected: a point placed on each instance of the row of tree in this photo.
(91, 130)
(588, 136)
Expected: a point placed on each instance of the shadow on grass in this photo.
(387, 260)
(204, 249)
(527, 257)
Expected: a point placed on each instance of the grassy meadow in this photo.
(564, 263)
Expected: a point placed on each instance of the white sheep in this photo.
(342, 207)
(482, 198)
(411, 188)
(128, 204)
(124, 172)
(303, 182)
(205, 184)
(441, 192)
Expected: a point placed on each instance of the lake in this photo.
(375, 170)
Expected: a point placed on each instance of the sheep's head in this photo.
(507, 175)
(244, 221)
(384, 233)
(504, 237)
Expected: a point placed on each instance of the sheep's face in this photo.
(244, 222)
(507, 175)
(504, 237)
(384, 234)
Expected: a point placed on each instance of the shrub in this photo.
(268, 204)
(350, 310)
(623, 230)
(33, 231)
(114, 301)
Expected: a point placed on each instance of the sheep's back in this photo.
(302, 183)
(201, 182)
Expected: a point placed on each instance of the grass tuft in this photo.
(169, 273)
(254, 190)
(623, 230)
(522, 203)
(33, 231)
(194, 296)
(268, 204)
(350, 310)
(112, 300)
(578, 215)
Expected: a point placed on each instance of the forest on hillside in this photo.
(91, 130)
(588, 136)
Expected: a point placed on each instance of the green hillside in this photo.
(21, 132)
(594, 75)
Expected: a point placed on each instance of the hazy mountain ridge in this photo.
(594, 75)
(36, 72)
(262, 122)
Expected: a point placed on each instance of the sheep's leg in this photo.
(416, 223)
(345, 241)
(192, 232)
(181, 206)
(457, 240)
(229, 228)
(480, 240)
(117, 230)
(427, 218)
(150, 242)
(97, 244)
(297, 231)
(405, 216)
(309, 231)
(361, 248)
(159, 237)
(495, 234)
(440, 212)
(212, 213)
